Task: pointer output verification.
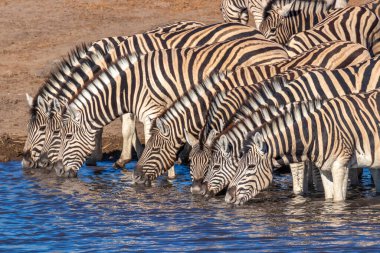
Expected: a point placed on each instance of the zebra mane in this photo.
(294, 112)
(60, 69)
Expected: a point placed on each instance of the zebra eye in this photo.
(241, 154)
(273, 30)
(42, 128)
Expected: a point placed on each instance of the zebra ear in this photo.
(259, 141)
(284, 11)
(191, 139)
(162, 126)
(29, 99)
(211, 137)
(225, 144)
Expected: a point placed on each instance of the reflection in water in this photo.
(103, 210)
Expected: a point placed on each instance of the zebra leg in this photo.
(317, 180)
(327, 182)
(97, 153)
(137, 144)
(376, 178)
(354, 177)
(340, 180)
(128, 130)
(298, 175)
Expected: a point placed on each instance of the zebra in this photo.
(281, 22)
(314, 85)
(146, 85)
(85, 53)
(356, 24)
(66, 83)
(329, 55)
(342, 135)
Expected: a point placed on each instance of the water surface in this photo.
(102, 210)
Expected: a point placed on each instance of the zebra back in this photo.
(356, 24)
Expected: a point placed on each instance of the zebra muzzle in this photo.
(198, 187)
(231, 195)
(27, 162)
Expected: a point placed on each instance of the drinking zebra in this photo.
(342, 135)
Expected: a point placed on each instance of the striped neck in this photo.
(291, 138)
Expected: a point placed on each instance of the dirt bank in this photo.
(35, 34)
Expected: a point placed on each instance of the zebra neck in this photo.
(110, 95)
(291, 143)
(190, 111)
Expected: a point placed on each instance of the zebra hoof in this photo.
(120, 164)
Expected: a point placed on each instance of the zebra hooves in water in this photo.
(120, 164)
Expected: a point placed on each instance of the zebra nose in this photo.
(196, 187)
(138, 175)
(43, 162)
(27, 162)
(231, 195)
(59, 168)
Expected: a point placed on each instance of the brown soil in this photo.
(36, 34)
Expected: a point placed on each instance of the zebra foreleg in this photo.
(316, 176)
(97, 153)
(340, 180)
(128, 131)
(327, 182)
(376, 178)
(299, 176)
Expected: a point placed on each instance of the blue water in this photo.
(102, 210)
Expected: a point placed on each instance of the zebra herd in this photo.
(301, 90)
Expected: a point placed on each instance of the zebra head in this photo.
(36, 132)
(231, 12)
(77, 142)
(254, 171)
(222, 167)
(159, 153)
(273, 26)
(199, 161)
(52, 145)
